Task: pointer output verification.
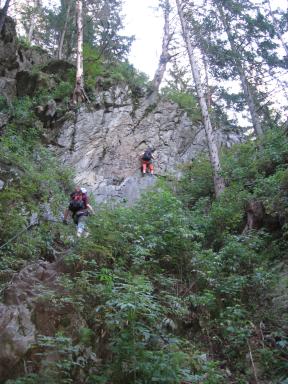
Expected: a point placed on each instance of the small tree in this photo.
(165, 56)
(79, 92)
(219, 184)
(63, 33)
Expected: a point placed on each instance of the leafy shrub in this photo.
(197, 180)
(187, 101)
(63, 91)
(36, 183)
(95, 65)
(3, 103)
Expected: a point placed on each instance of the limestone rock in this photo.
(27, 312)
(104, 143)
(7, 88)
(29, 57)
(17, 333)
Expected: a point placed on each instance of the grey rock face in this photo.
(16, 327)
(103, 143)
(7, 88)
(17, 335)
(8, 48)
(15, 58)
(27, 312)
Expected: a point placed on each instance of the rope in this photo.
(17, 235)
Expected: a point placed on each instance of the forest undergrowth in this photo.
(175, 289)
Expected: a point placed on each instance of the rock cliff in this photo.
(103, 143)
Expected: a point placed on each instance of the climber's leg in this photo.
(81, 225)
(151, 168)
(144, 165)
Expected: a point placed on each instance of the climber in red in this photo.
(146, 161)
(79, 194)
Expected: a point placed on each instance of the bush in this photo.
(187, 101)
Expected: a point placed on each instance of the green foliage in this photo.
(187, 101)
(3, 103)
(63, 91)
(36, 184)
(23, 42)
(197, 180)
(125, 72)
(232, 268)
(170, 290)
(22, 112)
(159, 236)
(96, 66)
(93, 65)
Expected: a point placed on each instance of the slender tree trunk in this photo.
(31, 29)
(243, 78)
(219, 184)
(165, 57)
(33, 21)
(277, 30)
(60, 50)
(4, 14)
(208, 89)
(79, 92)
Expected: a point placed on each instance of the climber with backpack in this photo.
(79, 208)
(146, 161)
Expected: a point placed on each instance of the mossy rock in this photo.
(28, 83)
(60, 68)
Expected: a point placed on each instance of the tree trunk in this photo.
(243, 79)
(79, 94)
(60, 50)
(33, 21)
(165, 57)
(208, 89)
(4, 14)
(277, 30)
(219, 184)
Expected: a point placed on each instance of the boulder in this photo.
(7, 89)
(17, 333)
(8, 49)
(47, 113)
(27, 312)
(28, 57)
(28, 83)
(61, 68)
